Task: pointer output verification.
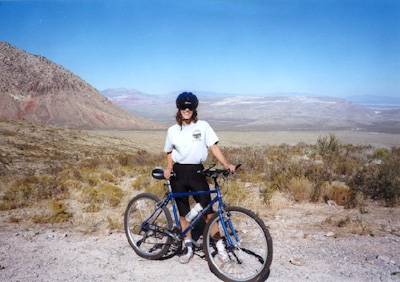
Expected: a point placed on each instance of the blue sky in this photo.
(321, 47)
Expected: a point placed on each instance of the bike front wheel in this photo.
(145, 223)
(249, 257)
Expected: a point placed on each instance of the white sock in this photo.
(189, 244)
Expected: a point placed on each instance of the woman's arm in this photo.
(168, 170)
(220, 157)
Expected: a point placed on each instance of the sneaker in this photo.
(186, 256)
(222, 253)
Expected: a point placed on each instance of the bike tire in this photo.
(251, 259)
(149, 242)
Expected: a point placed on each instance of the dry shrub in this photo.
(28, 190)
(381, 154)
(326, 146)
(353, 223)
(106, 193)
(157, 188)
(90, 176)
(92, 207)
(58, 214)
(278, 200)
(280, 180)
(110, 194)
(338, 192)
(91, 163)
(125, 159)
(236, 193)
(357, 200)
(73, 184)
(89, 195)
(108, 177)
(4, 206)
(141, 182)
(114, 223)
(300, 188)
(118, 172)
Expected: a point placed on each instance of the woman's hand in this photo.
(167, 173)
(230, 167)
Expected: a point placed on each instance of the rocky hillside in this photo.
(35, 89)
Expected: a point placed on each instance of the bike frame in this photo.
(218, 198)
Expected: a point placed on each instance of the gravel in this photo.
(302, 252)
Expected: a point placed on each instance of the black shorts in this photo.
(189, 180)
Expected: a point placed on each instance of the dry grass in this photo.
(301, 189)
(338, 192)
(86, 178)
(279, 200)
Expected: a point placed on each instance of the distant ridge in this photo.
(263, 112)
(35, 89)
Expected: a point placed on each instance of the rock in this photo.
(330, 234)
(397, 273)
(384, 258)
(298, 235)
(371, 259)
(331, 203)
(295, 261)
(106, 232)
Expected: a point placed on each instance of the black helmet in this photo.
(187, 100)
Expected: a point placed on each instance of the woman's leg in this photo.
(185, 224)
(179, 186)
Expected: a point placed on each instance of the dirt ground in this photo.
(312, 242)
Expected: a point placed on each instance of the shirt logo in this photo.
(196, 134)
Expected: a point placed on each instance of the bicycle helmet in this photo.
(187, 100)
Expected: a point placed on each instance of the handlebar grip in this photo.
(238, 165)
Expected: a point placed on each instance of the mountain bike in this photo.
(151, 231)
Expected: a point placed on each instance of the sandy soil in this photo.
(309, 245)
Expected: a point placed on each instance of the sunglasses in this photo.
(186, 106)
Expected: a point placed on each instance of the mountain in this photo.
(266, 112)
(290, 113)
(376, 102)
(159, 108)
(35, 89)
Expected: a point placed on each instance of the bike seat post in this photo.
(169, 185)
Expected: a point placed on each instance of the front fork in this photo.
(231, 235)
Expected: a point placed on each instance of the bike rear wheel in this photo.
(251, 256)
(144, 226)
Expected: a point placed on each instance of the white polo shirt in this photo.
(189, 144)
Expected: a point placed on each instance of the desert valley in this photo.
(323, 173)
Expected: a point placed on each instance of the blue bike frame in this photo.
(171, 197)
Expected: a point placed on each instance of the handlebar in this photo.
(158, 173)
(215, 172)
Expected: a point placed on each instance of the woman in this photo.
(187, 147)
